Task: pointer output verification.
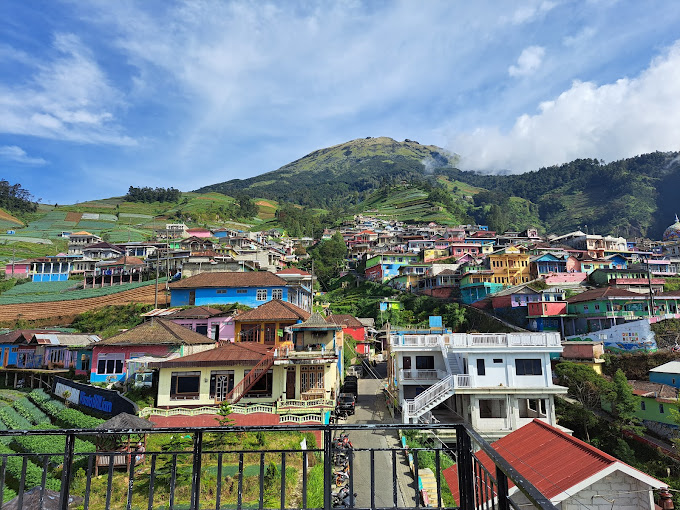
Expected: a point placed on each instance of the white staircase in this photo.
(454, 363)
(429, 399)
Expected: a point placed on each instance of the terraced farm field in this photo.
(46, 307)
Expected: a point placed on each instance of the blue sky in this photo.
(98, 96)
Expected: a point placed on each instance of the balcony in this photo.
(455, 341)
(213, 468)
(421, 376)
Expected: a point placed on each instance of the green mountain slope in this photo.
(344, 174)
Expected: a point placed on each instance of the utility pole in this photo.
(155, 297)
(651, 291)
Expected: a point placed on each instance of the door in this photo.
(407, 362)
(5, 358)
(223, 385)
(290, 384)
(192, 297)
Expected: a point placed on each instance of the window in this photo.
(481, 368)
(263, 387)
(585, 308)
(425, 362)
(492, 408)
(277, 294)
(110, 364)
(498, 360)
(661, 408)
(597, 307)
(528, 367)
(261, 294)
(643, 406)
(241, 291)
(221, 291)
(185, 385)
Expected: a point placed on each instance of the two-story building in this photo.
(494, 382)
(510, 266)
(249, 288)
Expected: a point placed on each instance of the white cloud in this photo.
(65, 98)
(531, 11)
(18, 155)
(610, 121)
(528, 62)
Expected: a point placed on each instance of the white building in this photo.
(494, 382)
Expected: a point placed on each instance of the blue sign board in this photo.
(11, 232)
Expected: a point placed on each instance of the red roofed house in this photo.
(572, 474)
(351, 327)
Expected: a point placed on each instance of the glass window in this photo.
(528, 367)
(661, 408)
(277, 294)
(221, 291)
(643, 406)
(481, 367)
(492, 408)
(498, 360)
(241, 291)
(425, 362)
(263, 387)
(185, 385)
(109, 363)
(261, 294)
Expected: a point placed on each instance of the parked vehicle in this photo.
(345, 404)
(351, 386)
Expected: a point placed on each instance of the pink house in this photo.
(199, 232)
(18, 269)
(547, 308)
(155, 340)
(211, 322)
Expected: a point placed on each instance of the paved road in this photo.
(371, 408)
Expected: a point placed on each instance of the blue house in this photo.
(10, 342)
(546, 264)
(668, 374)
(247, 288)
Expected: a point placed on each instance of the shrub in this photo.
(64, 416)
(33, 476)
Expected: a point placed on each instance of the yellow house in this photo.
(267, 324)
(510, 266)
(208, 378)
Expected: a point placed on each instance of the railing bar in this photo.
(88, 482)
(283, 481)
(131, 479)
(67, 470)
(152, 480)
(20, 496)
(350, 466)
(372, 455)
(240, 481)
(173, 478)
(43, 481)
(218, 495)
(416, 477)
(394, 478)
(485, 493)
(2, 478)
(304, 479)
(438, 469)
(261, 479)
(477, 483)
(196, 471)
(110, 481)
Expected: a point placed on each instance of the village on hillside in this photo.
(241, 324)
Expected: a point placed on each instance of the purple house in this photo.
(211, 322)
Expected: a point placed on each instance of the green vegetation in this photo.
(25, 295)
(329, 259)
(147, 194)
(426, 459)
(109, 320)
(15, 199)
(65, 417)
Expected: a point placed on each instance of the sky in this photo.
(97, 96)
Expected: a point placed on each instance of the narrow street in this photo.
(371, 408)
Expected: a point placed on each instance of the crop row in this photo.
(29, 410)
(33, 475)
(6, 299)
(63, 416)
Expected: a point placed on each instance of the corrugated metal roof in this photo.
(239, 354)
(548, 458)
(160, 312)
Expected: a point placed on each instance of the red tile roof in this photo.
(293, 270)
(22, 335)
(240, 353)
(230, 279)
(275, 309)
(549, 459)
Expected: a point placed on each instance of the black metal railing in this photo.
(228, 467)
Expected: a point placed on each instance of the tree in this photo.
(624, 403)
(586, 387)
(223, 414)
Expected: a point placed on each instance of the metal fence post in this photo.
(466, 484)
(502, 481)
(66, 472)
(196, 471)
(327, 466)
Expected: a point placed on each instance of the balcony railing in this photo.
(406, 374)
(465, 340)
(211, 468)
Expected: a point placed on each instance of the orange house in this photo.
(510, 266)
(267, 323)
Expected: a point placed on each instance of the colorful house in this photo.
(251, 289)
(65, 350)
(350, 325)
(18, 268)
(269, 323)
(211, 322)
(156, 339)
(383, 266)
(656, 405)
(510, 266)
(476, 285)
(12, 340)
(668, 373)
